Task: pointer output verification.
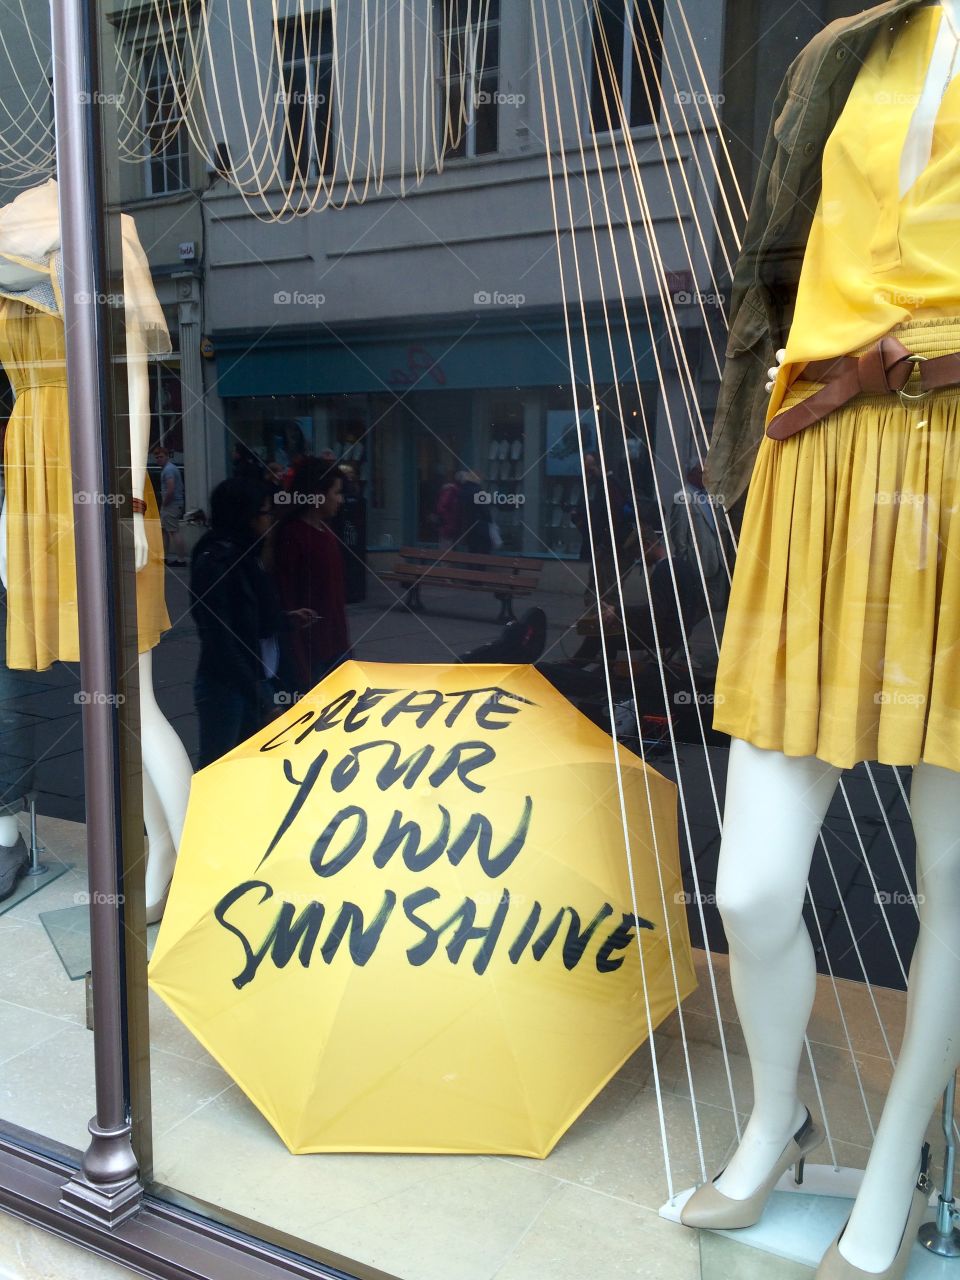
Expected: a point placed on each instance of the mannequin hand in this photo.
(141, 551)
(774, 373)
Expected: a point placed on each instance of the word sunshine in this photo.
(287, 933)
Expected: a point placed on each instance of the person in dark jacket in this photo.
(238, 617)
(308, 566)
(475, 518)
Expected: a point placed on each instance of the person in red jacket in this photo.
(308, 564)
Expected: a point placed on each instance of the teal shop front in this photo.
(408, 409)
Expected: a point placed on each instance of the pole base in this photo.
(106, 1206)
(942, 1246)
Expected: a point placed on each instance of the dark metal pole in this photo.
(107, 1188)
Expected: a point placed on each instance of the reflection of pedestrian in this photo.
(171, 506)
(675, 603)
(308, 563)
(450, 512)
(604, 526)
(245, 463)
(696, 539)
(350, 527)
(239, 619)
(476, 512)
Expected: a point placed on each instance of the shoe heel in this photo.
(798, 1171)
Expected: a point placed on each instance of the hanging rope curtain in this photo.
(26, 108)
(300, 107)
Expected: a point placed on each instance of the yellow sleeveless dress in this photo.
(42, 625)
(842, 637)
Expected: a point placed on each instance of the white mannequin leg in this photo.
(9, 831)
(930, 1052)
(774, 808)
(167, 774)
(161, 852)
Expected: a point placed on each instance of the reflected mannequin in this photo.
(29, 242)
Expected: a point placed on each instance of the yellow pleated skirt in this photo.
(842, 637)
(40, 504)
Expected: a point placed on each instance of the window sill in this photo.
(159, 1241)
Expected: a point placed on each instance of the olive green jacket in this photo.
(765, 281)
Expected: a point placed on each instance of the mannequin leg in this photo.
(774, 808)
(161, 851)
(167, 775)
(930, 1052)
(9, 831)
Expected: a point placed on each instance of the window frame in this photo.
(321, 162)
(174, 154)
(630, 77)
(473, 80)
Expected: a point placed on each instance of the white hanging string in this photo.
(546, 49)
(26, 116)
(621, 294)
(843, 789)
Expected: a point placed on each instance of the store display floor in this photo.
(731, 1256)
(596, 1196)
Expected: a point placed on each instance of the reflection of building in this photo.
(426, 334)
(160, 190)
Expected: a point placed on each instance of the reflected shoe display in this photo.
(14, 861)
(836, 1267)
(711, 1209)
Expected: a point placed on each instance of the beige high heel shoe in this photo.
(834, 1265)
(711, 1209)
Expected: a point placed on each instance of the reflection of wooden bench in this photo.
(505, 576)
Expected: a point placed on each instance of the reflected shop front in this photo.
(478, 700)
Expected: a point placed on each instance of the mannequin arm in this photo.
(138, 391)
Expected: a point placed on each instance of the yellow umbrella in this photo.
(403, 919)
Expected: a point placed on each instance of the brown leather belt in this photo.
(887, 367)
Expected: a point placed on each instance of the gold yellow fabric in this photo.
(842, 637)
(390, 953)
(873, 259)
(42, 625)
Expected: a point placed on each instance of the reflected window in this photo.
(627, 55)
(306, 95)
(469, 87)
(167, 168)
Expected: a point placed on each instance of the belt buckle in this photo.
(906, 399)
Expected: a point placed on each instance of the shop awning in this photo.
(453, 353)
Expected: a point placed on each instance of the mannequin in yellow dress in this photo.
(776, 802)
(37, 557)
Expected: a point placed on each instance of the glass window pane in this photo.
(427, 537)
